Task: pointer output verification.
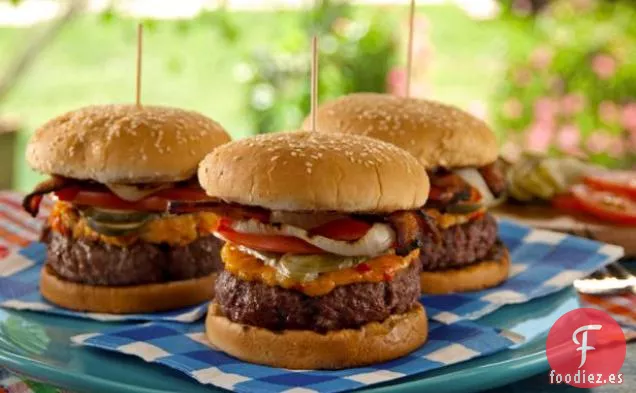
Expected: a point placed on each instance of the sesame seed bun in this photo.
(304, 171)
(372, 343)
(124, 144)
(438, 135)
(474, 277)
(125, 299)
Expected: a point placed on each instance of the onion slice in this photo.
(474, 178)
(376, 241)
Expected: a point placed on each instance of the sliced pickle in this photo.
(538, 186)
(518, 175)
(115, 229)
(573, 170)
(116, 216)
(306, 267)
(539, 176)
(516, 192)
(548, 170)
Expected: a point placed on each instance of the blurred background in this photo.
(551, 76)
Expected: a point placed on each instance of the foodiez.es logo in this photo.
(586, 348)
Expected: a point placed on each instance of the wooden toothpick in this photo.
(140, 33)
(314, 81)
(409, 58)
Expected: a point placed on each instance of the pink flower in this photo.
(569, 138)
(629, 116)
(541, 58)
(512, 108)
(582, 5)
(616, 146)
(604, 66)
(545, 109)
(608, 112)
(557, 85)
(522, 77)
(572, 103)
(632, 140)
(599, 141)
(396, 81)
(538, 138)
(522, 7)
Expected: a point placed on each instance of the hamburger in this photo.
(111, 247)
(320, 270)
(460, 153)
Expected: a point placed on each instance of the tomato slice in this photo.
(621, 182)
(347, 229)
(605, 205)
(272, 243)
(109, 200)
(566, 202)
(157, 202)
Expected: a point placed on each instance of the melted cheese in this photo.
(249, 268)
(172, 230)
(446, 220)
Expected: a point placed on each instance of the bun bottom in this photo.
(372, 343)
(125, 299)
(473, 277)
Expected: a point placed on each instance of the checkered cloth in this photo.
(183, 347)
(544, 262)
(19, 289)
(621, 307)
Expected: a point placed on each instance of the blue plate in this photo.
(38, 345)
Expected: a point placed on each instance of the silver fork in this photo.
(611, 280)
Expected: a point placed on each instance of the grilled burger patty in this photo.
(348, 306)
(97, 263)
(459, 245)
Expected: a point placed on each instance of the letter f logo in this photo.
(584, 347)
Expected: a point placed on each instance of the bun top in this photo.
(124, 144)
(438, 135)
(310, 171)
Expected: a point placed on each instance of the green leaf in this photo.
(107, 16)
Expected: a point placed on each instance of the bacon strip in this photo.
(31, 202)
(447, 188)
(412, 227)
(230, 210)
(494, 177)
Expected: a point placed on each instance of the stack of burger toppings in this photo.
(320, 267)
(111, 246)
(460, 154)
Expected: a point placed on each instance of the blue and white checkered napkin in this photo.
(543, 262)
(19, 289)
(184, 347)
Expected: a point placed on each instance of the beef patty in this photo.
(347, 306)
(459, 245)
(97, 263)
